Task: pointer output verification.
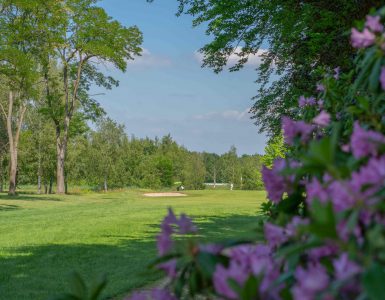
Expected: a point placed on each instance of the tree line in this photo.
(49, 56)
(50, 53)
(106, 158)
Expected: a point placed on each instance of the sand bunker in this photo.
(164, 195)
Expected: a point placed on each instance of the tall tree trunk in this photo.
(215, 177)
(50, 185)
(1, 174)
(105, 183)
(60, 180)
(13, 139)
(61, 147)
(39, 163)
(39, 184)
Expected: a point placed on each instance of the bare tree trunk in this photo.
(60, 182)
(105, 184)
(13, 140)
(1, 174)
(39, 184)
(39, 163)
(50, 185)
(215, 177)
(61, 147)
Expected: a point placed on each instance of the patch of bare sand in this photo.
(164, 195)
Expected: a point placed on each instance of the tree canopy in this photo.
(295, 39)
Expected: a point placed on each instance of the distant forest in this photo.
(106, 158)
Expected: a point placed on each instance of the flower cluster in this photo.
(326, 237)
(171, 224)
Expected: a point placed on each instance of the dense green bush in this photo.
(324, 229)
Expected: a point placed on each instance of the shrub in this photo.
(324, 237)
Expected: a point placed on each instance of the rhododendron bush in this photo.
(324, 226)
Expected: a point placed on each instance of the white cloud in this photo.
(234, 115)
(254, 60)
(148, 59)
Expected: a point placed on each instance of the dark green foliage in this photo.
(106, 158)
(80, 290)
(295, 39)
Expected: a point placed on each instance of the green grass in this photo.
(44, 238)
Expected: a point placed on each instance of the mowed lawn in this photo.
(44, 238)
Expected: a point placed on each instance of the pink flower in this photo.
(370, 178)
(164, 243)
(221, 279)
(320, 87)
(275, 235)
(170, 218)
(382, 78)
(310, 281)
(362, 39)
(293, 129)
(274, 181)
(341, 196)
(365, 142)
(161, 294)
(169, 268)
(345, 148)
(345, 268)
(337, 72)
(155, 294)
(211, 248)
(323, 119)
(374, 23)
(303, 101)
(186, 225)
(138, 296)
(316, 254)
(314, 190)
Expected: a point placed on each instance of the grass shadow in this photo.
(38, 272)
(28, 197)
(7, 207)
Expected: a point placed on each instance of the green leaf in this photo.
(373, 281)
(97, 288)
(297, 249)
(250, 289)
(375, 75)
(78, 286)
(207, 263)
(163, 259)
(323, 222)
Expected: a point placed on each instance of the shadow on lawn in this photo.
(39, 272)
(28, 197)
(7, 207)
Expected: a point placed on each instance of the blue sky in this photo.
(167, 91)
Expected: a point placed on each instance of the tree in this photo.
(212, 162)
(194, 172)
(37, 151)
(275, 148)
(3, 150)
(83, 37)
(18, 71)
(107, 143)
(230, 167)
(294, 39)
(251, 178)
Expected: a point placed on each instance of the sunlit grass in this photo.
(45, 237)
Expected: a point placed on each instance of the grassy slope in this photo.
(43, 238)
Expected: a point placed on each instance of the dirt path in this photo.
(164, 195)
